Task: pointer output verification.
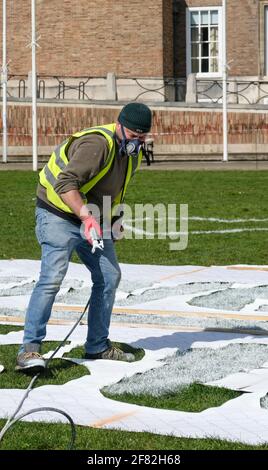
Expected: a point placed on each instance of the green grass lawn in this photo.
(49, 436)
(4, 329)
(79, 352)
(58, 372)
(219, 194)
(194, 398)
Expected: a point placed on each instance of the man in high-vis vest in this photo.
(92, 164)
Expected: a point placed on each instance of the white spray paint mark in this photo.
(203, 219)
(194, 232)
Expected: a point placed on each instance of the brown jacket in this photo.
(87, 156)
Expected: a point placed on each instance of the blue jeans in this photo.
(58, 238)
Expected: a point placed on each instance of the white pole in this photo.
(34, 97)
(4, 82)
(224, 83)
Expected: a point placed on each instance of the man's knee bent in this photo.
(117, 278)
(112, 279)
(108, 280)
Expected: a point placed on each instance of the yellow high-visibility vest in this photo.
(59, 160)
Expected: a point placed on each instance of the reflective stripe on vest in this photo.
(133, 166)
(59, 160)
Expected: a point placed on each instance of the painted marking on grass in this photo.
(112, 419)
(157, 234)
(202, 219)
(234, 230)
(226, 221)
(139, 231)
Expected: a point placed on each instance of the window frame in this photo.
(188, 41)
(265, 39)
(263, 65)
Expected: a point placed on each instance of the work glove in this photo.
(93, 233)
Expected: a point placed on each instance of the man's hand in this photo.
(91, 226)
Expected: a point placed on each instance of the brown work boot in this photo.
(30, 361)
(113, 354)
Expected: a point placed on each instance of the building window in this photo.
(203, 40)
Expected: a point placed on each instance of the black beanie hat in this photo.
(137, 117)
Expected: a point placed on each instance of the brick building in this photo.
(198, 27)
(157, 42)
(166, 52)
(88, 39)
(92, 37)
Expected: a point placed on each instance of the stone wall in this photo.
(178, 132)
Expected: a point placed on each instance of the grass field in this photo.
(59, 372)
(56, 436)
(222, 195)
(232, 196)
(194, 398)
(48, 436)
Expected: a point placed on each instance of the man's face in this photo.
(130, 135)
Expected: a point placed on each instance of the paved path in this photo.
(163, 165)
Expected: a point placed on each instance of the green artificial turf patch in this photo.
(194, 398)
(79, 352)
(58, 372)
(48, 436)
(5, 329)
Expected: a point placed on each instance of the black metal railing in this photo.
(240, 91)
(62, 88)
